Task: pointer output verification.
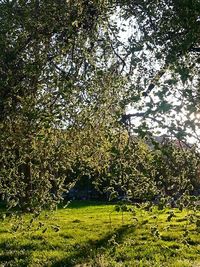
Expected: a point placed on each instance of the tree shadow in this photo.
(80, 253)
(10, 256)
(86, 250)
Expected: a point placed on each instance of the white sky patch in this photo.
(144, 73)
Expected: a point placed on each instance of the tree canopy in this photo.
(67, 78)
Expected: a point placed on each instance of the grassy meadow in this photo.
(86, 234)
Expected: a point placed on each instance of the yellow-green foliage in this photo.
(94, 234)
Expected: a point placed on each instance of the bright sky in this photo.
(130, 28)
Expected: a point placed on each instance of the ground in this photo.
(86, 234)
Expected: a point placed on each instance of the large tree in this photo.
(57, 94)
(67, 78)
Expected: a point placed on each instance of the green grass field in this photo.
(93, 234)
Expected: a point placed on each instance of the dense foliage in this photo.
(67, 78)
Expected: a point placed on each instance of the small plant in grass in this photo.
(122, 207)
(170, 216)
(112, 241)
(155, 232)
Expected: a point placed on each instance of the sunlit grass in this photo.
(93, 234)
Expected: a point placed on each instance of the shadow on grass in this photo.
(9, 257)
(14, 254)
(83, 252)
